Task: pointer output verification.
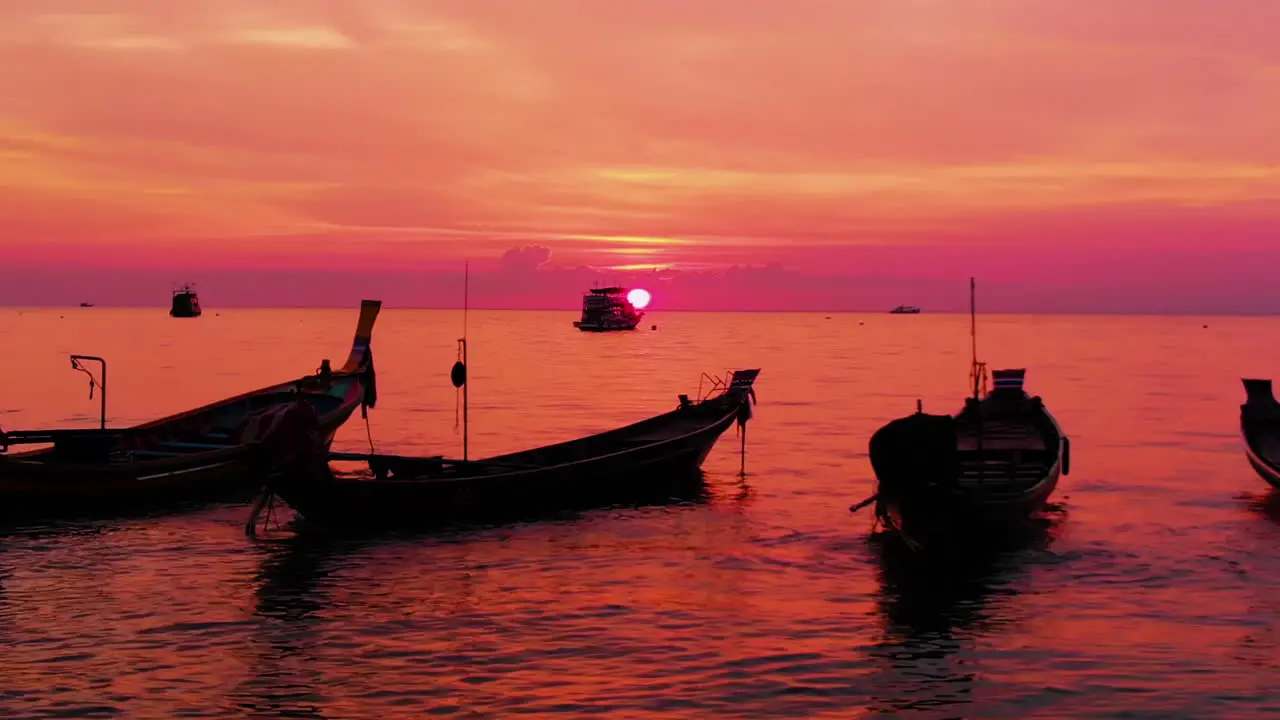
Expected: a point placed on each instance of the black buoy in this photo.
(458, 375)
(653, 327)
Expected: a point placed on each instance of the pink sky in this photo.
(1125, 151)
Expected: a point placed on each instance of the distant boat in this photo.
(905, 310)
(608, 309)
(1260, 427)
(186, 304)
(986, 468)
(86, 304)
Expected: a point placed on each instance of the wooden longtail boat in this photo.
(990, 466)
(600, 469)
(1260, 427)
(218, 450)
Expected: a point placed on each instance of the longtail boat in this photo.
(982, 470)
(1260, 427)
(218, 450)
(610, 467)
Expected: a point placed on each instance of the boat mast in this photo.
(466, 292)
(977, 369)
(458, 374)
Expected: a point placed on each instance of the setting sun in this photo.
(639, 298)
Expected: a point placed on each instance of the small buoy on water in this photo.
(1206, 326)
(653, 327)
(458, 375)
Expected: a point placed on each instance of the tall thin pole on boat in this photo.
(977, 372)
(973, 335)
(466, 293)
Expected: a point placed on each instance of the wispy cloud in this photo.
(707, 132)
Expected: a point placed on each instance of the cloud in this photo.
(525, 259)
(729, 131)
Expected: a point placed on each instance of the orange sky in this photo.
(633, 132)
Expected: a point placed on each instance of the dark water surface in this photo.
(1153, 591)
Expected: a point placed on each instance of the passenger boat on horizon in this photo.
(1260, 428)
(905, 310)
(186, 304)
(986, 468)
(608, 309)
(220, 450)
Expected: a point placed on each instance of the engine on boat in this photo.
(83, 448)
(914, 452)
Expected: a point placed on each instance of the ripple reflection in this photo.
(933, 610)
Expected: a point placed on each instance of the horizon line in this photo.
(459, 308)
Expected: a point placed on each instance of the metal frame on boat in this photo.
(1260, 429)
(608, 467)
(215, 450)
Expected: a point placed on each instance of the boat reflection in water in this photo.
(412, 607)
(933, 610)
(283, 680)
(1267, 505)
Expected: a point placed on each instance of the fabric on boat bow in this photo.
(287, 437)
(369, 378)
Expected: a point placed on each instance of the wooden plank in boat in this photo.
(998, 435)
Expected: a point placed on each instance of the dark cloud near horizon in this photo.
(525, 258)
(1118, 280)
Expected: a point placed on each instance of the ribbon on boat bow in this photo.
(370, 379)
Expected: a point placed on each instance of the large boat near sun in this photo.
(186, 303)
(609, 308)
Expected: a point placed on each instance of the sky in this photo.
(807, 154)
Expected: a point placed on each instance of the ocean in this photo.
(1152, 592)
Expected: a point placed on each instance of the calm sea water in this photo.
(1154, 590)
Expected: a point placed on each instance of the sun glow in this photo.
(639, 298)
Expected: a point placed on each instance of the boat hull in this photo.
(935, 484)
(1265, 471)
(232, 474)
(1260, 430)
(928, 521)
(614, 467)
(588, 326)
(219, 451)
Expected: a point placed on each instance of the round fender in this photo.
(1066, 455)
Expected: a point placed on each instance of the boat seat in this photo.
(157, 453)
(194, 445)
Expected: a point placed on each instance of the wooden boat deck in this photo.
(1002, 436)
(1013, 456)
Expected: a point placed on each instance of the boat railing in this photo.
(716, 386)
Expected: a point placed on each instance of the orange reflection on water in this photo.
(761, 598)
